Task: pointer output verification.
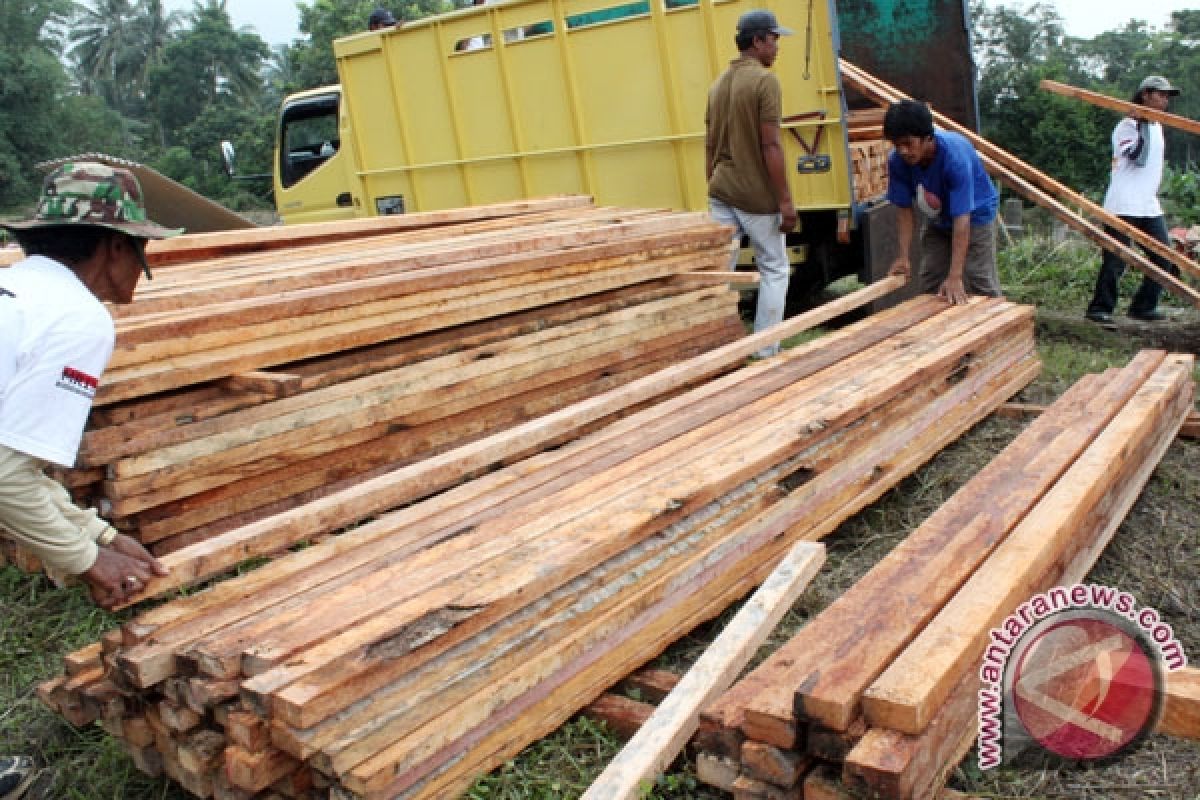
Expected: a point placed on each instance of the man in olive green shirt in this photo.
(747, 179)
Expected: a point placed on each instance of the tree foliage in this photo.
(1017, 47)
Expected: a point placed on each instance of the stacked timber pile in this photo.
(880, 692)
(256, 374)
(409, 655)
(868, 154)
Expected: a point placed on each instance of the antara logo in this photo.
(79, 382)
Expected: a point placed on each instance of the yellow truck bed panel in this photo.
(572, 96)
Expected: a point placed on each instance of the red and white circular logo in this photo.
(1085, 685)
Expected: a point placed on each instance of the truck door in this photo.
(311, 182)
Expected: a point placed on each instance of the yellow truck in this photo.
(523, 98)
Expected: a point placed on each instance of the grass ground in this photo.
(1155, 555)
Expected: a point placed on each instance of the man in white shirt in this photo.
(1137, 170)
(86, 243)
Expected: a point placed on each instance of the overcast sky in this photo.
(276, 20)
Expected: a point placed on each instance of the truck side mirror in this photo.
(227, 156)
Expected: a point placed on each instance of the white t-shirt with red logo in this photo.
(55, 340)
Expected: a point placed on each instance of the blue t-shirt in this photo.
(955, 183)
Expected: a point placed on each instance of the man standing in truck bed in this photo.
(747, 180)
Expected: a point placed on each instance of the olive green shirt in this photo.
(746, 94)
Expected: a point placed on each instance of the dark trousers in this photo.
(1104, 299)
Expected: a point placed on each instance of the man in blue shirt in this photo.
(940, 174)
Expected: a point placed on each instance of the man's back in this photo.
(745, 95)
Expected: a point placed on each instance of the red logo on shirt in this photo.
(78, 381)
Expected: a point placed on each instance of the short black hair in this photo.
(907, 118)
(745, 39)
(67, 244)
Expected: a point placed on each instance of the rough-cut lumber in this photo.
(712, 464)
(191, 247)
(906, 696)
(210, 558)
(659, 741)
(774, 765)
(1181, 709)
(623, 715)
(1052, 195)
(746, 788)
(717, 771)
(1123, 106)
(823, 670)
(406, 656)
(483, 753)
(1189, 430)
(891, 764)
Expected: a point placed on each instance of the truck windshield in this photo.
(308, 136)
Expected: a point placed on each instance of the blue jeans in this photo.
(770, 258)
(1145, 300)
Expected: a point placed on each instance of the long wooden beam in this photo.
(656, 744)
(1051, 195)
(1123, 106)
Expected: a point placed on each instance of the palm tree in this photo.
(101, 47)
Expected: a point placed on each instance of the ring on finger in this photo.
(131, 581)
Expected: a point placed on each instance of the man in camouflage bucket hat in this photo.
(90, 193)
(85, 244)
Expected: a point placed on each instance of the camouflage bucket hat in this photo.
(89, 193)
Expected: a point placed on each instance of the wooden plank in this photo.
(623, 715)
(717, 771)
(652, 685)
(417, 424)
(275, 490)
(457, 373)
(940, 417)
(189, 247)
(480, 495)
(538, 715)
(201, 561)
(659, 741)
(823, 784)
(898, 766)
(746, 788)
(806, 501)
(774, 765)
(907, 694)
(257, 771)
(892, 764)
(258, 353)
(272, 384)
(839, 653)
(712, 464)
(1181, 707)
(1123, 106)
(213, 324)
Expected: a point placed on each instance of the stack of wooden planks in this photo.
(870, 164)
(279, 365)
(407, 656)
(868, 154)
(882, 688)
